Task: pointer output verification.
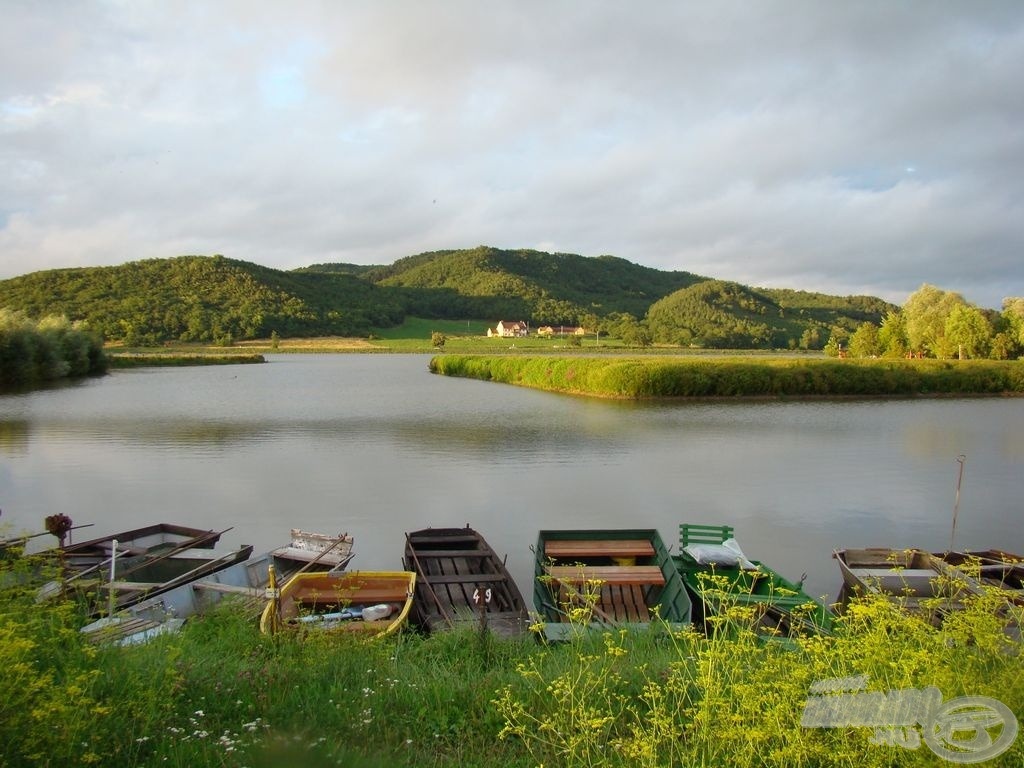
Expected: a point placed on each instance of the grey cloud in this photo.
(844, 147)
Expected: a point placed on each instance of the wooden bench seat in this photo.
(570, 548)
(608, 574)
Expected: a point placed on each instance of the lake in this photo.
(375, 445)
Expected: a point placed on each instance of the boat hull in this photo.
(777, 606)
(461, 580)
(606, 577)
(308, 595)
(913, 579)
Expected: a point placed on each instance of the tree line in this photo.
(34, 352)
(219, 300)
(940, 324)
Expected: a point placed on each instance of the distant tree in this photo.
(1013, 316)
(892, 336)
(969, 331)
(864, 341)
(438, 339)
(924, 315)
(810, 338)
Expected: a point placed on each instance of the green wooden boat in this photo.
(718, 576)
(606, 578)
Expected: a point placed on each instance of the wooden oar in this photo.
(426, 581)
(573, 592)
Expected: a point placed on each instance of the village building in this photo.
(513, 329)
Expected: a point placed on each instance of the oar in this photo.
(576, 593)
(275, 591)
(426, 581)
(187, 544)
(340, 540)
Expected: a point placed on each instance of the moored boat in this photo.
(910, 578)
(718, 576)
(133, 543)
(370, 603)
(245, 581)
(153, 576)
(460, 579)
(991, 567)
(609, 577)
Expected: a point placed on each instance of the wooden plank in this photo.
(611, 574)
(599, 548)
(418, 539)
(465, 578)
(434, 554)
(230, 589)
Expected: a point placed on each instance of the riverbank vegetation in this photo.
(47, 350)
(221, 694)
(657, 377)
(124, 360)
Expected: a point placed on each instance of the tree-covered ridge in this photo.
(556, 287)
(197, 298)
(722, 314)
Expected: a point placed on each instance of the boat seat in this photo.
(464, 578)
(607, 574)
(569, 548)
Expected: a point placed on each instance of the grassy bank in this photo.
(631, 377)
(221, 694)
(123, 360)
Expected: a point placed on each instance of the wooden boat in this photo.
(133, 544)
(991, 567)
(460, 579)
(718, 576)
(911, 578)
(154, 576)
(620, 578)
(328, 552)
(244, 581)
(370, 603)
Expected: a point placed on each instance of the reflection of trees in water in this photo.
(14, 437)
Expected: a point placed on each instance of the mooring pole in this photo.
(956, 506)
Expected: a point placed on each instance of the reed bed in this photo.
(661, 377)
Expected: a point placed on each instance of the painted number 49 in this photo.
(484, 595)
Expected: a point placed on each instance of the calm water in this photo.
(376, 446)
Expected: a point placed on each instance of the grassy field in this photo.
(221, 694)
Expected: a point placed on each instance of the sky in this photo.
(842, 147)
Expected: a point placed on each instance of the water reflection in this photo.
(377, 446)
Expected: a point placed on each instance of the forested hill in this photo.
(213, 298)
(200, 298)
(557, 287)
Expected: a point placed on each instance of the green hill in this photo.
(198, 298)
(721, 314)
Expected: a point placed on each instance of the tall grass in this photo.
(628, 377)
(221, 694)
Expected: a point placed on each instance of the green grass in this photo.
(739, 376)
(163, 359)
(221, 694)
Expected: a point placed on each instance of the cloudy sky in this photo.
(842, 147)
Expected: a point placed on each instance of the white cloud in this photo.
(768, 144)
